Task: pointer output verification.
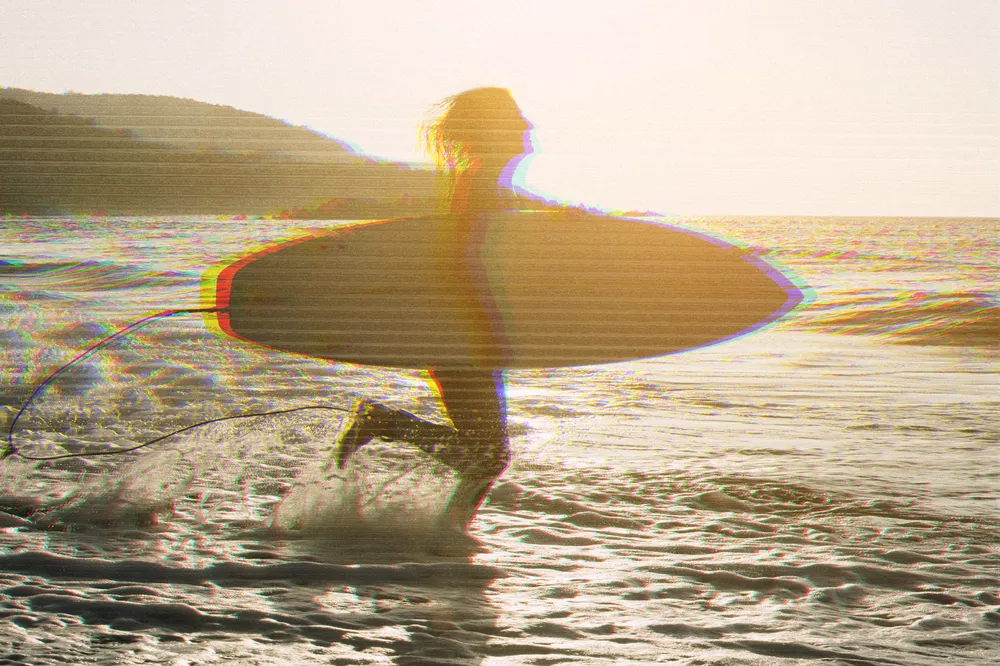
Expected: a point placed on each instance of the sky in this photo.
(708, 107)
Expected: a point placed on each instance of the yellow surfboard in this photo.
(499, 290)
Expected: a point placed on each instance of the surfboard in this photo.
(499, 290)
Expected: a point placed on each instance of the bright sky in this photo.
(863, 107)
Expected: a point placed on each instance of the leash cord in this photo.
(12, 450)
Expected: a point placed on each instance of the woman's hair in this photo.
(460, 127)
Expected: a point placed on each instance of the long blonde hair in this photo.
(461, 124)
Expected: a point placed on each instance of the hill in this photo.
(161, 155)
(192, 125)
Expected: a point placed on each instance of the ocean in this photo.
(824, 489)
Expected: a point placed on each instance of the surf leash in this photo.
(11, 449)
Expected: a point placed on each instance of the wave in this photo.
(876, 261)
(235, 574)
(86, 276)
(961, 318)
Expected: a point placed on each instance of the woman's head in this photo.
(477, 129)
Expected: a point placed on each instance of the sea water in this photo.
(824, 489)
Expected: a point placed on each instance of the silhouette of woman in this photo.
(478, 138)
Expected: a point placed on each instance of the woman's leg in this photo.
(475, 402)
(476, 447)
(372, 420)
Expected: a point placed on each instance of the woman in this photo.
(478, 139)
